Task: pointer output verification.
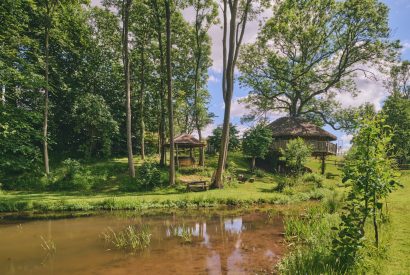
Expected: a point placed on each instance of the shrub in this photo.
(296, 154)
(313, 178)
(259, 173)
(147, 178)
(74, 178)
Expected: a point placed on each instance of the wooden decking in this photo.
(318, 147)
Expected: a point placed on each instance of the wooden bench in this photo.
(197, 185)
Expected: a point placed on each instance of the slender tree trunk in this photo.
(3, 95)
(169, 88)
(131, 168)
(162, 130)
(197, 73)
(142, 124)
(376, 228)
(253, 163)
(227, 90)
(45, 120)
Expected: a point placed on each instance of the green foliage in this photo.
(317, 55)
(371, 173)
(74, 177)
(214, 140)
(148, 177)
(20, 141)
(396, 109)
(256, 142)
(312, 236)
(296, 155)
(94, 121)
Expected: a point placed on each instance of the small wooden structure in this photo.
(287, 128)
(184, 143)
(201, 185)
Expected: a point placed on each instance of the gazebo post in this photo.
(202, 152)
(176, 145)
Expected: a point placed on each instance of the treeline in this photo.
(67, 69)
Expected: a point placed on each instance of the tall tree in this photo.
(125, 11)
(49, 7)
(240, 11)
(206, 12)
(162, 123)
(168, 4)
(299, 68)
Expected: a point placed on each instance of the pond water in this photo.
(228, 243)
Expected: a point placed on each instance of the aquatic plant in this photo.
(131, 238)
(183, 232)
(48, 245)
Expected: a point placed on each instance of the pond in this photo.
(222, 243)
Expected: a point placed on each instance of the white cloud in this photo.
(239, 109)
(371, 90)
(406, 46)
(212, 78)
(207, 131)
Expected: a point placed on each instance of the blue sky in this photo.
(371, 91)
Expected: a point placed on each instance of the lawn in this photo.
(398, 260)
(112, 173)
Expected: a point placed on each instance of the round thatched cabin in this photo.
(287, 128)
(184, 144)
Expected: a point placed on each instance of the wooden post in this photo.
(202, 148)
(165, 155)
(323, 163)
(177, 155)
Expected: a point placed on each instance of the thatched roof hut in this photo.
(184, 142)
(187, 141)
(293, 127)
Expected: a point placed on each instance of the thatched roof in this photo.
(186, 140)
(292, 127)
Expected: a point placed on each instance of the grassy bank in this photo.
(310, 235)
(398, 238)
(110, 196)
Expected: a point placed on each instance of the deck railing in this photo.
(317, 146)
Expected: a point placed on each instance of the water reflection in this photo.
(220, 245)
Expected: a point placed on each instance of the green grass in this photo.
(398, 239)
(108, 195)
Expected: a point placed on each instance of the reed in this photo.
(130, 238)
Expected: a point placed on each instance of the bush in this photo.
(147, 178)
(313, 178)
(74, 178)
(296, 155)
(259, 173)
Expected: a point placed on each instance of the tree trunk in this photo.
(3, 95)
(162, 134)
(196, 84)
(131, 168)
(376, 228)
(323, 166)
(142, 124)
(227, 89)
(45, 121)
(253, 164)
(169, 88)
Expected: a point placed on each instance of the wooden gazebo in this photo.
(185, 143)
(287, 128)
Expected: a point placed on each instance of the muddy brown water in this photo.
(245, 243)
